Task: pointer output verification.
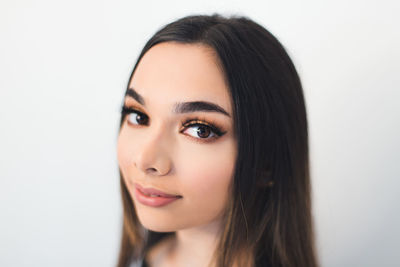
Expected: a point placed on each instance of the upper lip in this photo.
(152, 191)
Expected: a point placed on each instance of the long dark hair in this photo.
(268, 219)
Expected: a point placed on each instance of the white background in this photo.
(64, 66)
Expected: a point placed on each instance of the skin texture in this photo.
(178, 160)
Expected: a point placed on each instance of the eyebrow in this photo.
(183, 107)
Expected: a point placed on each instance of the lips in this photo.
(153, 192)
(153, 197)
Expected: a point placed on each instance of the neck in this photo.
(195, 246)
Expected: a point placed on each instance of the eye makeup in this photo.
(190, 122)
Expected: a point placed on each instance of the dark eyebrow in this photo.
(183, 107)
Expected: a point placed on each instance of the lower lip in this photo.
(153, 201)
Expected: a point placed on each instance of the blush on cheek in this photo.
(123, 161)
(209, 186)
(120, 150)
(207, 176)
(124, 151)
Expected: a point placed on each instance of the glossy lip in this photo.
(143, 196)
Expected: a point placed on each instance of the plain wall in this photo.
(64, 66)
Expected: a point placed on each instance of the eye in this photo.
(202, 130)
(133, 115)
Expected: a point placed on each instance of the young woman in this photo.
(213, 150)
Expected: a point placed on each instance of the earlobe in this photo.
(265, 179)
(266, 183)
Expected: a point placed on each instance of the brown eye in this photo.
(202, 131)
(135, 116)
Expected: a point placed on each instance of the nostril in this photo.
(152, 169)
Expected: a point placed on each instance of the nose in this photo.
(152, 156)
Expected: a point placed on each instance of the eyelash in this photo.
(188, 123)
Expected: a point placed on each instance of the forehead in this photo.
(172, 72)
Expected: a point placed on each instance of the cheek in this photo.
(123, 145)
(124, 153)
(206, 177)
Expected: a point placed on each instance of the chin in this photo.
(158, 220)
(159, 228)
(158, 225)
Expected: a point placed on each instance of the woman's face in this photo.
(155, 151)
